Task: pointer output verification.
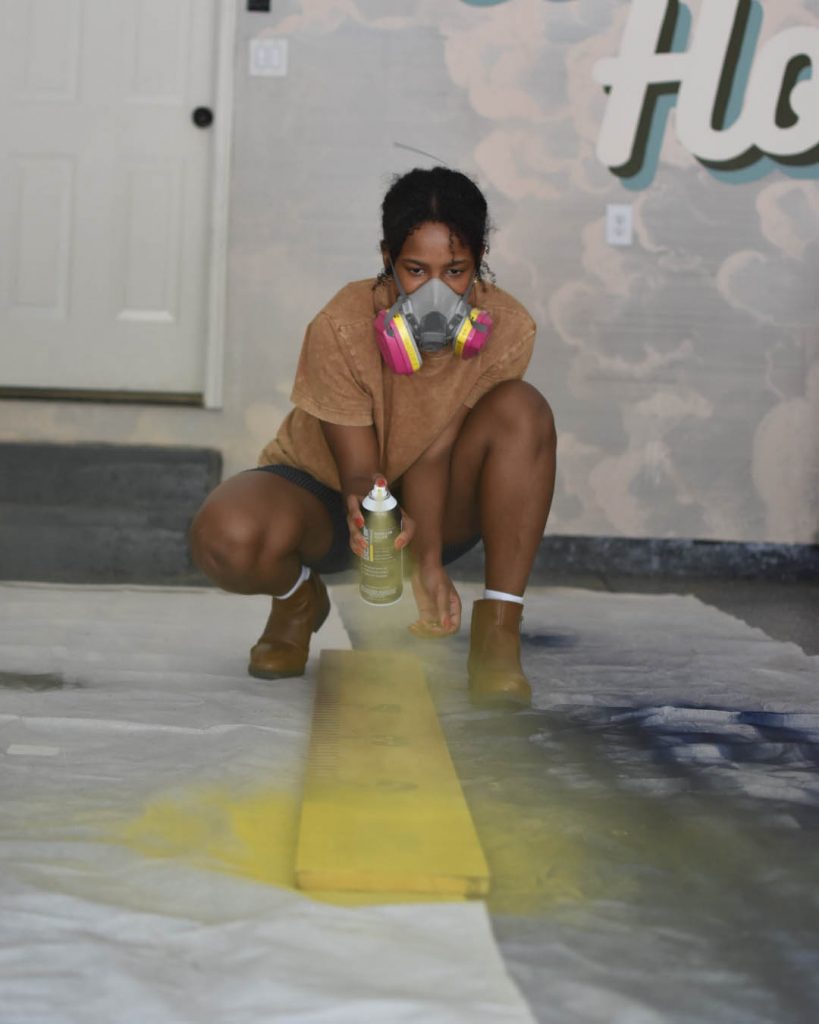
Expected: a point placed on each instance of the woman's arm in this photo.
(355, 451)
(424, 489)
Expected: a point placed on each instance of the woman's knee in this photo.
(517, 407)
(225, 543)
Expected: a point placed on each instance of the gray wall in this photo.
(683, 369)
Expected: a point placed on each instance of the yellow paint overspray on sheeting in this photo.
(546, 845)
(252, 834)
(550, 849)
(249, 834)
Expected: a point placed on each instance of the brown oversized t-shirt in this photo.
(341, 378)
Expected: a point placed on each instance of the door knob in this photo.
(202, 117)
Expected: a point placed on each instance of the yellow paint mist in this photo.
(534, 860)
(249, 834)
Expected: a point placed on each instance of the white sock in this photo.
(303, 575)
(500, 595)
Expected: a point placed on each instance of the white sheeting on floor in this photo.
(147, 784)
(111, 697)
(647, 649)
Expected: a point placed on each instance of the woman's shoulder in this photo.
(352, 304)
(503, 306)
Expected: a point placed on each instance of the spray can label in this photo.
(381, 566)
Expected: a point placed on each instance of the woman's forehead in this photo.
(432, 239)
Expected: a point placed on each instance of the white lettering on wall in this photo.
(780, 109)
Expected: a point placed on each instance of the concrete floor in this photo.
(787, 611)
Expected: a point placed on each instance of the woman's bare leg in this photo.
(502, 481)
(252, 536)
(254, 532)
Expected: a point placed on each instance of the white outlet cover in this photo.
(619, 224)
(268, 57)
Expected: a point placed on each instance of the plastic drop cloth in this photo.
(149, 792)
(651, 824)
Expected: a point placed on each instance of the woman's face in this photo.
(432, 250)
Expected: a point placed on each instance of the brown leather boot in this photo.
(283, 647)
(496, 678)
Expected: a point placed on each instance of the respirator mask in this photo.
(431, 318)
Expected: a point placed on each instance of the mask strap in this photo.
(397, 280)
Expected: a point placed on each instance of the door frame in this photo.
(216, 304)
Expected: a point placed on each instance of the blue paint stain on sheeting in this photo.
(761, 755)
(739, 736)
(548, 639)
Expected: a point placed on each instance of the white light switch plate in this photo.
(268, 57)
(619, 224)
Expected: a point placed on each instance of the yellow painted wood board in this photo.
(382, 809)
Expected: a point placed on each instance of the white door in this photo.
(105, 193)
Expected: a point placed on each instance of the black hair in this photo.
(441, 195)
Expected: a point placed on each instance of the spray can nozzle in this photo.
(379, 491)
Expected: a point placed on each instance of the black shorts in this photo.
(340, 557)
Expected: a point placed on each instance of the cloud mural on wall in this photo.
(777, 286)
(786, 467)
(718, 314)
(661, 324)
(737, 98)
(671, 363)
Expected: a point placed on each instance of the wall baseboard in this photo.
(650, 556)
(97, 513)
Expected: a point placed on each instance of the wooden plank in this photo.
(383, 810)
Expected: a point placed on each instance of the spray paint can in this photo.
(382, 575)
